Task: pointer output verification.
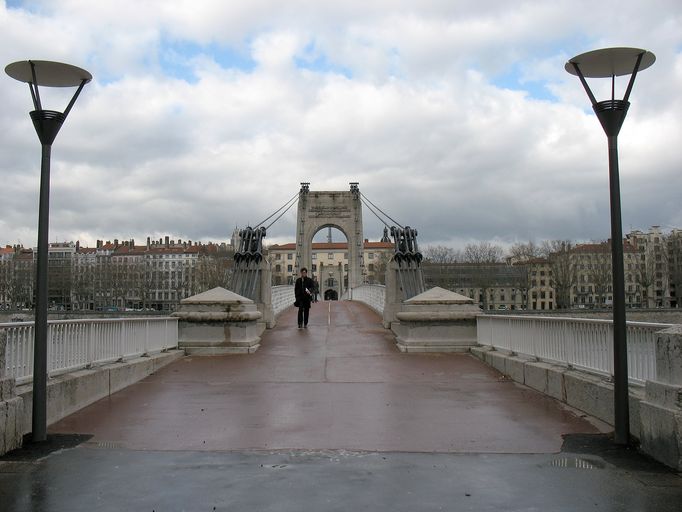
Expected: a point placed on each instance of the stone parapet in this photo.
(70, 392)
(662, 406)
(655, 409)
(219, 322)
(11, 406)
(437, 320)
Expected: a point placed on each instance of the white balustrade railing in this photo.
(374, 295)
(582, 343)
(77, 344)
(282, 297)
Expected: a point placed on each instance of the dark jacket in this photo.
(302, 296)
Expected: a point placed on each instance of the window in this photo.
(371, 255)
(290, 268)
(330, 256)
(290, 256)
(278, 256)
(278, 268)
(314, 267)
(314, 256)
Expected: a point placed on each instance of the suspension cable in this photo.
(295, 196)
(280, 215)
(384, 214)
(375, 213)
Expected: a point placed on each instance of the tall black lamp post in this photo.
(47, 124)
(610, 63)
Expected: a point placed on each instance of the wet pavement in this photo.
(333, 417)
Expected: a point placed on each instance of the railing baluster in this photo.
(584, 343)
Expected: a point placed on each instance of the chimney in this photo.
(132, 242)
(115, 242)
(78, 245)
(149, 242)
(167, 240)
(99, 244)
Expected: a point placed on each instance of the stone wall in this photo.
(661, 410)
(655, 409)
(11, 406)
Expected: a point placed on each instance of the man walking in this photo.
(303, 290)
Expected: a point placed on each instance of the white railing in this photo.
(282, 297)
(586, 344)
(374, 295)
(78, 344)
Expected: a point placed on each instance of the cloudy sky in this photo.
(455, 116)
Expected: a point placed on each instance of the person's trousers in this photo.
(303, 315)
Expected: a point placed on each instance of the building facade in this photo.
(495, 286)
(116, 275)
(330, 265)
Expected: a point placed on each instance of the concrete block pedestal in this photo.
(11, 407)
(661, 409)
(219, 322)
(437, 320)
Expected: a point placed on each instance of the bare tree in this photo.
(646, 275)
(482, 252)
(601, 276)
(441, 254)
(6, 282)
(481, 256)
(674, 255)
(562, 264)
(521, 252)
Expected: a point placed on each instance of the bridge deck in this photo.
(340, 384)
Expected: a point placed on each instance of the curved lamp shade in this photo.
(48, 73)
(609, 62)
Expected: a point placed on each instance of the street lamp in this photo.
(604, 63)
(47, 124)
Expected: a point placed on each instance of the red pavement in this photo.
(340, 384)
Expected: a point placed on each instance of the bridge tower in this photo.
(341, 210)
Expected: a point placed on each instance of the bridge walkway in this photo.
(339, 384)
(330, 418)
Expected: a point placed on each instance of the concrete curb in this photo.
(70, 392)
(586, 392)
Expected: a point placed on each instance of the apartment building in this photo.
(6, 257)
(593, 276)
(541, 284)
(655, 248)
(495, 286)
(116, 275)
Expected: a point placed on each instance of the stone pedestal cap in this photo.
(438, 295)
(437, 305)
(218, 304)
